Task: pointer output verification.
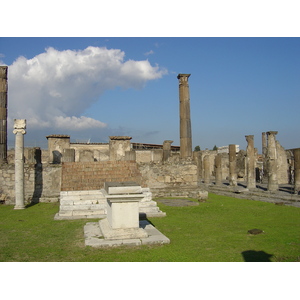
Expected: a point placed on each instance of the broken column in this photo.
(272, 161)
(118, 145)
(250, 162)
(218, 169)
(19, 131)
(232, 165)
(167, 149)
(3, 114)
(185, 117)
(296, 153)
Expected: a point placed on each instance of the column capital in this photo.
(19, 131)
(19, 126)
(183, 77)
(272, 132)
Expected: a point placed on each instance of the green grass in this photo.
(214, 231)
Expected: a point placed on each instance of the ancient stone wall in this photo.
(42, 183)
(171, 174)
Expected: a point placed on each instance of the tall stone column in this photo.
(19, 131)
(296, 153)
(232, 165)
(185, 117)
(264, 153)
(272, 161)
(3, 114)
(218, 168)
(250, 165)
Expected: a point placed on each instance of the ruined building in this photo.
(165, 169)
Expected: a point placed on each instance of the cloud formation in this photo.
(53, 89)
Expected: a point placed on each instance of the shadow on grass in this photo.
(256, 256)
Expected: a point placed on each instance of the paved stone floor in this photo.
(94, 238)
(284, 196)
(178, 202)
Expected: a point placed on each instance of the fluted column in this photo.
(250, 162)
(185, 117)
(272, 161)
(19, 131)
(3, 114)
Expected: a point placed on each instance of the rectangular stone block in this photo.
(117, 188)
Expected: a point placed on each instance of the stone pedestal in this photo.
(118, 146)
(250, 162)
(19, 131)
(272, 161)
(232, 165)
(185, 117)
(167, 150)
(56, 145)
(296, 153)
(122, 220)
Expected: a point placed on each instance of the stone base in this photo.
(94, 236)
(120, 233)
(19, 207)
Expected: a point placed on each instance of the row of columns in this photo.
(270, 164)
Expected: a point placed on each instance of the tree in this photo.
(197, 148)
(215, 148)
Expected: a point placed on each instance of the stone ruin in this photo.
(80, 170)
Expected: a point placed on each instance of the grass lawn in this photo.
(214, 231)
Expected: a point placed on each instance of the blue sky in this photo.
(238, 86)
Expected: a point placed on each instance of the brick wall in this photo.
(80, 176)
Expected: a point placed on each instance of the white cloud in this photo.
(75, 123)
(54, 88)
(149, 52)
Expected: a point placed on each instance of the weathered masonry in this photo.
(167, 170)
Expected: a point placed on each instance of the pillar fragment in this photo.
(264, 153)
(167, 149)
(250, 162)
(218, 169)
(185, 117)
(272, 166)
(19, 131)
(296, 153)
(3, 114)
(118, 146)
(232, 165)
(206, 169)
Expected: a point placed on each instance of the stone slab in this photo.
(121, 233)
(95, 239)
(118, 188)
